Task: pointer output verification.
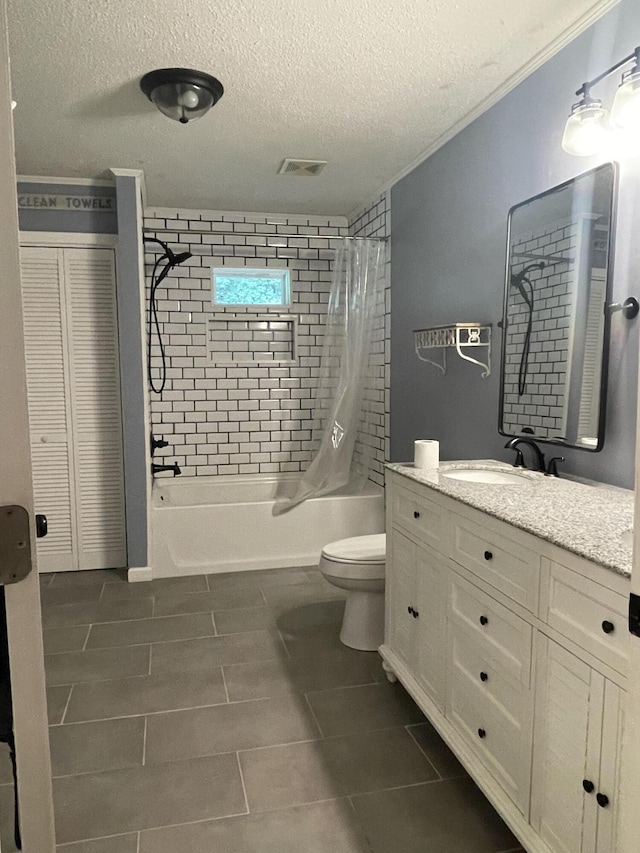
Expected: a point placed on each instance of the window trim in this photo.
(252, 272)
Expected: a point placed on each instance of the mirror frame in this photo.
(607, 323)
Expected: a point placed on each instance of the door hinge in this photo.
(15, 544)
(634, 614)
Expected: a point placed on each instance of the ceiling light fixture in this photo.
(588, 127)
(180, 93)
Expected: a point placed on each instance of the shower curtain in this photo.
(343, 369)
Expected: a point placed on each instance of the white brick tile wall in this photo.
(239, 418)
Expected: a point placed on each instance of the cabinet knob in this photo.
(484, 620)
(608, 627)
(409, 610)
(488, 555)
(482, 733)
(415, 614)
(484, 676)
(603, 800)
(588, 785)
(416, 514)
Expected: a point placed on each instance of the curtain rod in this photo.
(258, 234)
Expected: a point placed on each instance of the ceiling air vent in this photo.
(302, 168)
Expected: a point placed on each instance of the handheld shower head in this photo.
(174, 260)
(518, 278)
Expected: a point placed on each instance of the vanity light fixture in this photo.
(180, 93)
(589, 125)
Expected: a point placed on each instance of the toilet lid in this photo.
(359, 549)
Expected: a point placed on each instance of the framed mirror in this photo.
(555, 322)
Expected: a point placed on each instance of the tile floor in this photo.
(221, 713)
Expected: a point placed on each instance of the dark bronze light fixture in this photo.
(180, 93)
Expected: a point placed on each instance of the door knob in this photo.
(481, 733)
(588, 785)
(484, 620)
(608, 627)
(488, 555)
(603, 800)
(484, 676)
(416, 514)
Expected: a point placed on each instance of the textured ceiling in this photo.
(364, 84)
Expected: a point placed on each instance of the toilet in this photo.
(357, 565)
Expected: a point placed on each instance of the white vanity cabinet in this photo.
(516, 651)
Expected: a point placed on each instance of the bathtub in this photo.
(214, 524)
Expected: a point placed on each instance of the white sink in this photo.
(480, 475)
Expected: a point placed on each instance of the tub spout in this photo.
(157, 469)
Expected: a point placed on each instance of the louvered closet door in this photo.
(49, 409)
(96, 410)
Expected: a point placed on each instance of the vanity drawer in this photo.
(503, 638)
(498, 560)
(501, 740)
(591, 615)
(425, 519)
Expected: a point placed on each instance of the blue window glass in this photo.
(250, 287)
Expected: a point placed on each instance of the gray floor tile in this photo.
(94, 805)
(57, 698)
(316, 672)
(96, 664)
(89, 612)
(292, 596)
(64, 639)
(356, 709)
(436, 750)
(204, 602)
(123, 697)
(154, 630)
(115, 844)
(227, 728)
(55, 596)
(160, 586)
(318, 828)
(440, 817)
(211, 652)
(96, 577)
(91, 747)
(335, 767)
(263, 578)
(245, 619)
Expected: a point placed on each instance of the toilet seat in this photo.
(360, 549)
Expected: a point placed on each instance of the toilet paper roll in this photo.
(426, 453)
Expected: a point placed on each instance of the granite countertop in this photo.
(588, 520)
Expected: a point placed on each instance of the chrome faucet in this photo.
(514, 444)
(157, 469)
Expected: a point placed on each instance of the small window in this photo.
(264, 287)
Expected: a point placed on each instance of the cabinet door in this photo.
(566, 750)
(430, 650)
(401, 597)
(612, 725)
(96, 410)
(45, 341)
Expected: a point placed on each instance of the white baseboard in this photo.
(140, 573)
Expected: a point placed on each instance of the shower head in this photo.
(518, 278)
(174, 260)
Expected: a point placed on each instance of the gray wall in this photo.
(132, 370)
(449, 226)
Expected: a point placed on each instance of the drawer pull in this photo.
(484, 620)
(488, 555)
(608, 627)
(481, 733)
(416, 514)
(603, 800)
(588, 785)
(484, 676)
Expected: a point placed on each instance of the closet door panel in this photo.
(49, 404)
(96, 408)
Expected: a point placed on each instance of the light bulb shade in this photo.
(587, 129)
(181, 94)
(625, 112)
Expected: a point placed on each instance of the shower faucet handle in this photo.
(552, 467)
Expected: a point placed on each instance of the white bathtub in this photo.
(226, 524)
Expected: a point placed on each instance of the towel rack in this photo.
(460, 336)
